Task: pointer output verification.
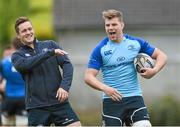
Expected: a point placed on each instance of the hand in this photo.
(62, 95)
(113, 93)
(60, 52)
(148, 72)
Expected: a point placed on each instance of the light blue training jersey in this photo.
(116, 63)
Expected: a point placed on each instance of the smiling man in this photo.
(122, 100)
(46, 89)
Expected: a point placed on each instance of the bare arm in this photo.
(92, 81)
(161, 59)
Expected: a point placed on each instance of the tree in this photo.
(9, 11)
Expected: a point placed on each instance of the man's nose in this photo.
(110, 27)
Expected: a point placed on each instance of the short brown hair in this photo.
(19, 21)
(109, 14)
(16, 43)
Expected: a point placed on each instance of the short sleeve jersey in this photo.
(115, 60)
(15, 85)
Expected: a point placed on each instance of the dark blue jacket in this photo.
(41, 71)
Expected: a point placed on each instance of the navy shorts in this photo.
(127, 111)
(59, 115)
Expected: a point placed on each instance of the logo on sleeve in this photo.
(131, 47)
(27, 54)
(45, 50)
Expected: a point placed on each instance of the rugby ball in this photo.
(143, 60)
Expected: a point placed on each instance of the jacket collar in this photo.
(35, 41)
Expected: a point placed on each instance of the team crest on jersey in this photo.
(108, 52)
(27, 54)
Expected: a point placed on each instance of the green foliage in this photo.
(41, 16)
(165, 112)
(9, 11)
(39, 12)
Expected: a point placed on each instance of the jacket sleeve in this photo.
(67, 69)
(24, 64)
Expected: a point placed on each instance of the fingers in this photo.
(147, 73)
(142, 70)
(60, 52)
(61, 95)
(64, 52)
(116, 96)
(112, 93)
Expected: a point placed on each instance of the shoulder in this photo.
(5, 62)
(96, 53)
(6, 59)
(145, 46)
(47, 42)
(101, 44)
(18, 53)
(138, 39)
(50, 43)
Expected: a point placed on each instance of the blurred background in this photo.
(77, 25)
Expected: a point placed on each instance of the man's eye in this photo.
(29, 28)
(23, 31)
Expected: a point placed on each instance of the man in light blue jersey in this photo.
(122, 100)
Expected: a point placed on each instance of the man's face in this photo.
(114, 29)
(26, 33)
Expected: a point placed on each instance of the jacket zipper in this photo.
(44, 83)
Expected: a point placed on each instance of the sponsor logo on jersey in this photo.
(121, 58)
(108, 52)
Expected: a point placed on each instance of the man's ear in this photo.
(17, 35)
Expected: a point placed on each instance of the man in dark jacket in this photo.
(40, 62)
